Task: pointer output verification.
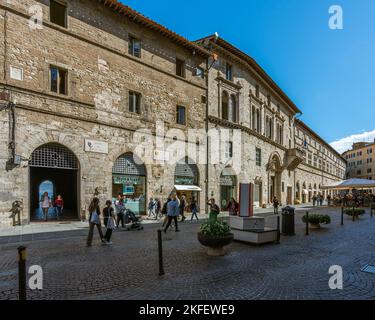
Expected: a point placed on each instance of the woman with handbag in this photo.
(109, 221)
(94, 221)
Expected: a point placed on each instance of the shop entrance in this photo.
(54, 169)
(186, 180)
(129, 179)
(228, 188)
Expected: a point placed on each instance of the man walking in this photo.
(172, 211)
(182, 208)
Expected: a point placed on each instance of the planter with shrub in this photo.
(215, 235)
(355, 213)
(315, 220)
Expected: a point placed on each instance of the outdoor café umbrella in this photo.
(351, 184)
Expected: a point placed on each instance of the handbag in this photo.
(95, 218)
(111, 224)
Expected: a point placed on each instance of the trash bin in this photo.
(288, 225)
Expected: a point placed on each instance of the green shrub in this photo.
(216, 228)
(357, 212)
(317, 219)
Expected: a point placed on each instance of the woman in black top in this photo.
(109, 216)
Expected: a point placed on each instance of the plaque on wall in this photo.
(96, 146)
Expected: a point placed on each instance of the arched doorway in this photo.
(186, 179)
(129, 179)
(228, 187)
(54, 169)
(274, 169)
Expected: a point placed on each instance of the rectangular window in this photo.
(57, 13)
(134, 102)
(135, 47)
(258, 157)
(228, 72)
(199, 72)
(180, 68)
(58, 80)
(181, 115)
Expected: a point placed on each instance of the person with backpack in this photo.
(173, 210)
(94, 220)
(109, 221)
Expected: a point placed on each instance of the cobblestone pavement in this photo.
(295, 269)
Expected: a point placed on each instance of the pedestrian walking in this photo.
(194, 209)
(109, 221)
(182, 208)
(45, 203)
(157, 208)
(94, 221)
(172, 211)
(151, 207)
(275, 205)
(59, 206)
(164, 211)
(314, 199)
(120, 209)
(232, 207)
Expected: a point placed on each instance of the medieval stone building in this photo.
(79, 79)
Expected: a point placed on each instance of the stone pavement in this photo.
(295, 269)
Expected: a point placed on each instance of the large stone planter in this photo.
(215, 245)
(314, 225)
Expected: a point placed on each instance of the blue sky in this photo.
(329, 74)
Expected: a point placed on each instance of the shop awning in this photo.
(187, 188)
(305, 191)
(351, 184)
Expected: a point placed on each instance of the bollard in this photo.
(307, 223)
(21, 273)
(160, 247)
(353, 215)
(342, 215)
(278, 230)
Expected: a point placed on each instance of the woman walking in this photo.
(94, 221)
(59, 206)
(109, 221)
(194, 209)
(45, 204)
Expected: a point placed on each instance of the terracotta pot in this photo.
(215, 244)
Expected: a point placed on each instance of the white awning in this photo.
(305, 191)
(187, 188)
(351, 184)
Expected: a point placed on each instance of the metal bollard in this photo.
(278, 230)
(160, 247)
(22, 273)
(342, 215)
(307, 223)
(353, 215)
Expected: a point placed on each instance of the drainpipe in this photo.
(207, 139)
(297, 115)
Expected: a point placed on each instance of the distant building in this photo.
(361, 162)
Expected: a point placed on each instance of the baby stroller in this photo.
(132, 222)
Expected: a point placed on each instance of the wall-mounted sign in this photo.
(160, 155)
(227, 181)
(16, 73)
(96, 146)
(184, 181)
(126, 180)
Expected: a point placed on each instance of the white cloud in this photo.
(346, 143)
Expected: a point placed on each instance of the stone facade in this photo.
(93, 50)
(361, 162)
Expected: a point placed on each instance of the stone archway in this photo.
(274, 169)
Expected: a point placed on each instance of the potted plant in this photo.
(215, 235)
(355, 212)
(315, 220)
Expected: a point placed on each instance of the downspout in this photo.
(294, 142)
(207, 137)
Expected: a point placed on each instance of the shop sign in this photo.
(129, 180)
(184, 180)
(96, 146)
(226, 181)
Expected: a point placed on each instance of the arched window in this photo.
(225, 106)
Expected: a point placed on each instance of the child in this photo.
(59, 205)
